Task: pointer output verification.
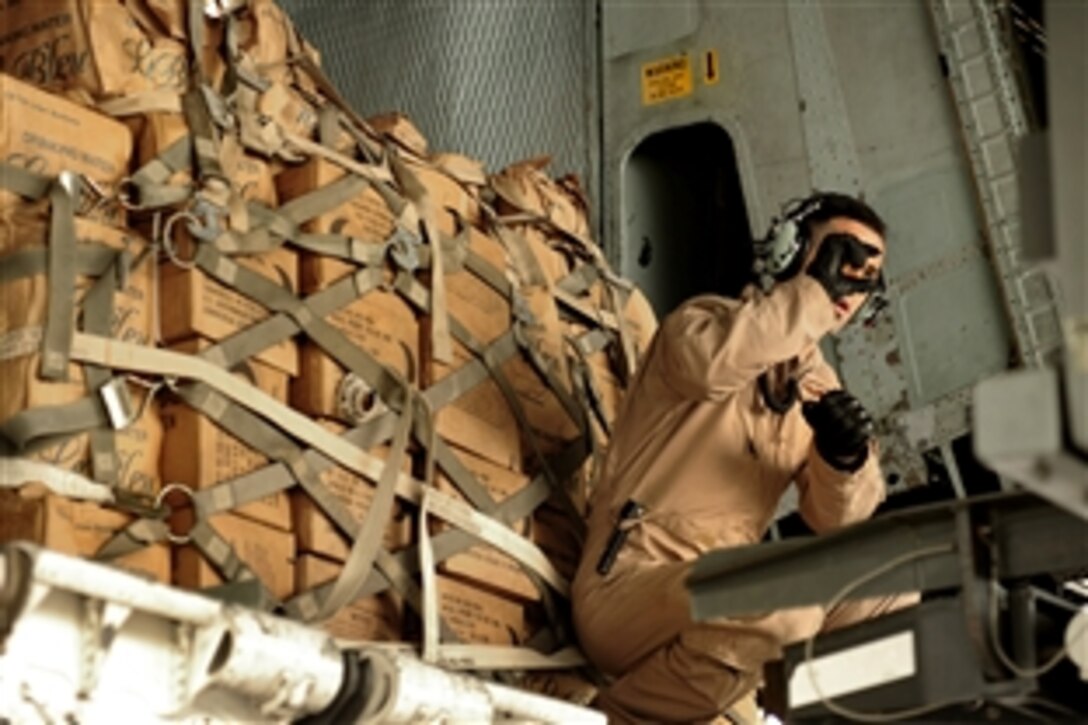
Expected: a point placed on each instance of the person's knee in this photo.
(714, 687)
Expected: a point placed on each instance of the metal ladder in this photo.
(993, 120)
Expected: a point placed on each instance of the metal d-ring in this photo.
(160, 504)
(168, 238)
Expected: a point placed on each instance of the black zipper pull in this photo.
(630, 510)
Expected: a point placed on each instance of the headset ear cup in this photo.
(781, 252)
(793, 267)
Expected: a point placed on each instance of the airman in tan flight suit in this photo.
(733, 402)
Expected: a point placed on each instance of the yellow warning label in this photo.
(711, 71)
(666, 79)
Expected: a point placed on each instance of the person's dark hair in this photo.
(834, 204)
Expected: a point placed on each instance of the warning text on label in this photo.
(666, 79)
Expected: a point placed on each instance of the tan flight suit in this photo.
(697, 446)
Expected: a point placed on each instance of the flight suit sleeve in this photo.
(712, 346)
(829, 498)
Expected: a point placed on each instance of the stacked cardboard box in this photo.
(44, 134)
(265, 138)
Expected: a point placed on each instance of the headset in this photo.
(780, 251)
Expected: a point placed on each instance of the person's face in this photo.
(846, 307)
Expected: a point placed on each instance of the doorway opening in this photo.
(685, 226)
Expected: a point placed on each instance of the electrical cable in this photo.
(839, 597)
(1003, 656)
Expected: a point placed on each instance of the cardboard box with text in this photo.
(268, 552)
(199, 453)
(370, 619)
(193, 305)
(77, 528)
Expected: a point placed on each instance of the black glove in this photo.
(835, 251)
(842, 428)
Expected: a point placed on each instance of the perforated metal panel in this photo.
(500, 80)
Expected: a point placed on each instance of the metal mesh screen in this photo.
(500, 80)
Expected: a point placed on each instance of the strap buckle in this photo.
(403, 249)
(121, 410)
(217, 9)
(139, 504)
(117, 400)
(357, 401)
(92, 196)
(206, 220)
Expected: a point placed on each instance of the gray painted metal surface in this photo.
(850, 96)
(994, 122)
(1068, 75)
(500, 81)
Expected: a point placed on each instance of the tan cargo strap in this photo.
(618, 292)
(269, 228)
(493, 356)
(293, 465)
(150, 188)
(493, 657)
(613, 319)
(307, 65)
(579, 281)
(198, 116)
(26, 184)
(603, 318)
(275, 477)
(370, 171)
(331, 196)
(272, 330)
(416, 192)
(385, 382)
(29, 430)
(402, 582)
(586, 312)
(137, 104)
(98, 320)
(446, 544)
(464, 481)
(492, 277)
(627, 343)
(57, 336)
(586, 380)
(488, 274)
(498, 535)
(18, 472)
(366, 253)
(225, 559)
(491, 360)
(109, 405)
(262, 435)
(514, 508)
(237, 64)
(194, 25)
(428, 581)
(303, 467)
(152, 361)
(38, 428)
(328, 126)
(363, 550)
(526, 265)
(591, 342)
(89, 260)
